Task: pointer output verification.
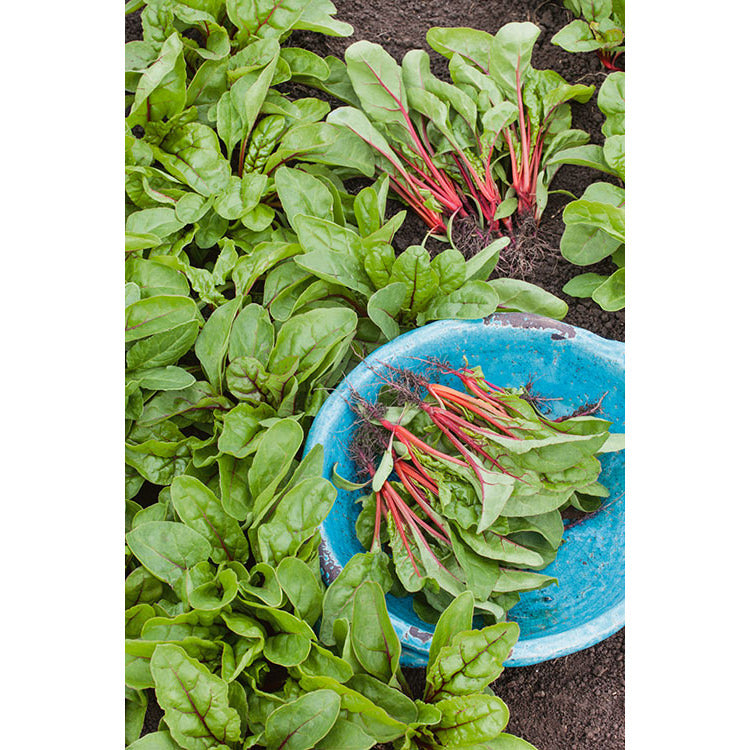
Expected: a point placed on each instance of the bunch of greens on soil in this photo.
(599, 27)
(481, 151)
(467, 486)
(595, 223)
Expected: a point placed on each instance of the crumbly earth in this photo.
(575, 702)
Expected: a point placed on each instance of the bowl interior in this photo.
(565, 363)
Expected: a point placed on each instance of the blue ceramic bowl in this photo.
(588, 605)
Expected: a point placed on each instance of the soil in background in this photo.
(576, 702)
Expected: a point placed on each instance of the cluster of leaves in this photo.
(254, 280)
(209, 369)
(233, 659)
(595, 223)
(193, 104)
(599, 27)
(468, 487)
(404, 290)
(486, 146)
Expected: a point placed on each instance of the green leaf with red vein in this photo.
(195, 702)
(471, 44)
(470, 719)
(153, 315)
(301, 724)
(201, 510)
(161, 88)
(376, 78)
(167, 549)
(275, 18)
(471, 661)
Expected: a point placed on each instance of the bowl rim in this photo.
(527, 651)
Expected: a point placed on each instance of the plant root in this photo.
(528, 248)
(367, 445)
(529, 245)
(468, 237)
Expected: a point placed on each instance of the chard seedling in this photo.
(599, 27)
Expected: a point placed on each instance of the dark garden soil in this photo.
(575, 702)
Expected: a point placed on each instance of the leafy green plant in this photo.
(411, 288)
(449, 147)
(253, 281)
(467, 487)
(599, 27)
(595, 223)
(226, 642)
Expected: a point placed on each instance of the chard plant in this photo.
(599, 27)
(226, 642)
(595, 223)
(253, 281)
(497, 71)
(467, 485)
(206, 126)
(482, 149)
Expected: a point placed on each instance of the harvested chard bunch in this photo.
(467, 486)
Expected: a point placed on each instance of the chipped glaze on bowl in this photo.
(564, 362)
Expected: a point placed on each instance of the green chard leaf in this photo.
(302, 723)
(195, 702)
(470, 719)
(375, 643)
(201, 510)
(471, 662)
(338, 601)
(167, 549)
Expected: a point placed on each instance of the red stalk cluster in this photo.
(415, 477)
(525, 170)
(431, 179)
(608, 58)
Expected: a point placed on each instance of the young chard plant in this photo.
(467, 486)
(599, 27)
(595, 223)
(397, 105)
(457, 709)
(497, 71)
(219, 628)
(477, 150)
